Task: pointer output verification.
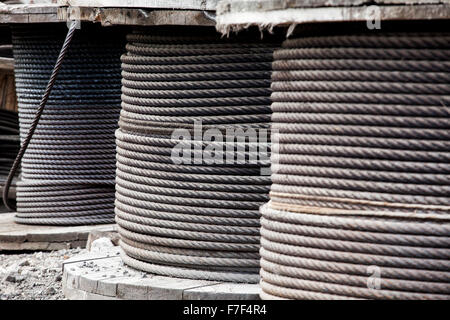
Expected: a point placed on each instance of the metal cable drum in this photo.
(360, 196)
(68, 168)
(192, 220)
(9, 141)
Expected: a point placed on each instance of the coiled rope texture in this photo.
(190, 220)
(361, 169)
(68, 167)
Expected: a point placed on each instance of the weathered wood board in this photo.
(267, 5)
(103, 275)
(137, 17)
(29, 13)
(18, 237)
(154, 4)
(234, 15)
(197, 13)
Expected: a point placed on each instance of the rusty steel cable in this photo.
(189, 220)
(69, 147)
(361, 170)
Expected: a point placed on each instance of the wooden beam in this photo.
(148, 13)
(237, 14)
(149, 4)
(29, 13)
(14, 236)
(243, 6)
(137, 17)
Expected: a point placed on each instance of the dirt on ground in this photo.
(33, 276)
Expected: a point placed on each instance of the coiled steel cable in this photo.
(68, 166)
(361, 174)
(191, 220)
(37, 115)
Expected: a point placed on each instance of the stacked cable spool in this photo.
(68, 169)
(192, 220)
(360, 197)
(9, 141)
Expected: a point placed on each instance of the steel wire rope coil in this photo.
(201, 220)
(361, 170)
(313, 255)
(68, 169)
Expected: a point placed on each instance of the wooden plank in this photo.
(227, 19)
(38, 8)
(146, 13)
(158, 287)
(230, 6)
(224, 291)
(151, 4)
(43, 18)
(75, 294)
(29, 13)
(91, 278)
(28, 18)
(13, 18)
(34, 246)
(113, 252)
(141, 17)
(14, 236)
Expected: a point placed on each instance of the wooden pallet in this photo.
(18, 237)
(103, 276)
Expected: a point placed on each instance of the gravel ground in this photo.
(33, 276)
